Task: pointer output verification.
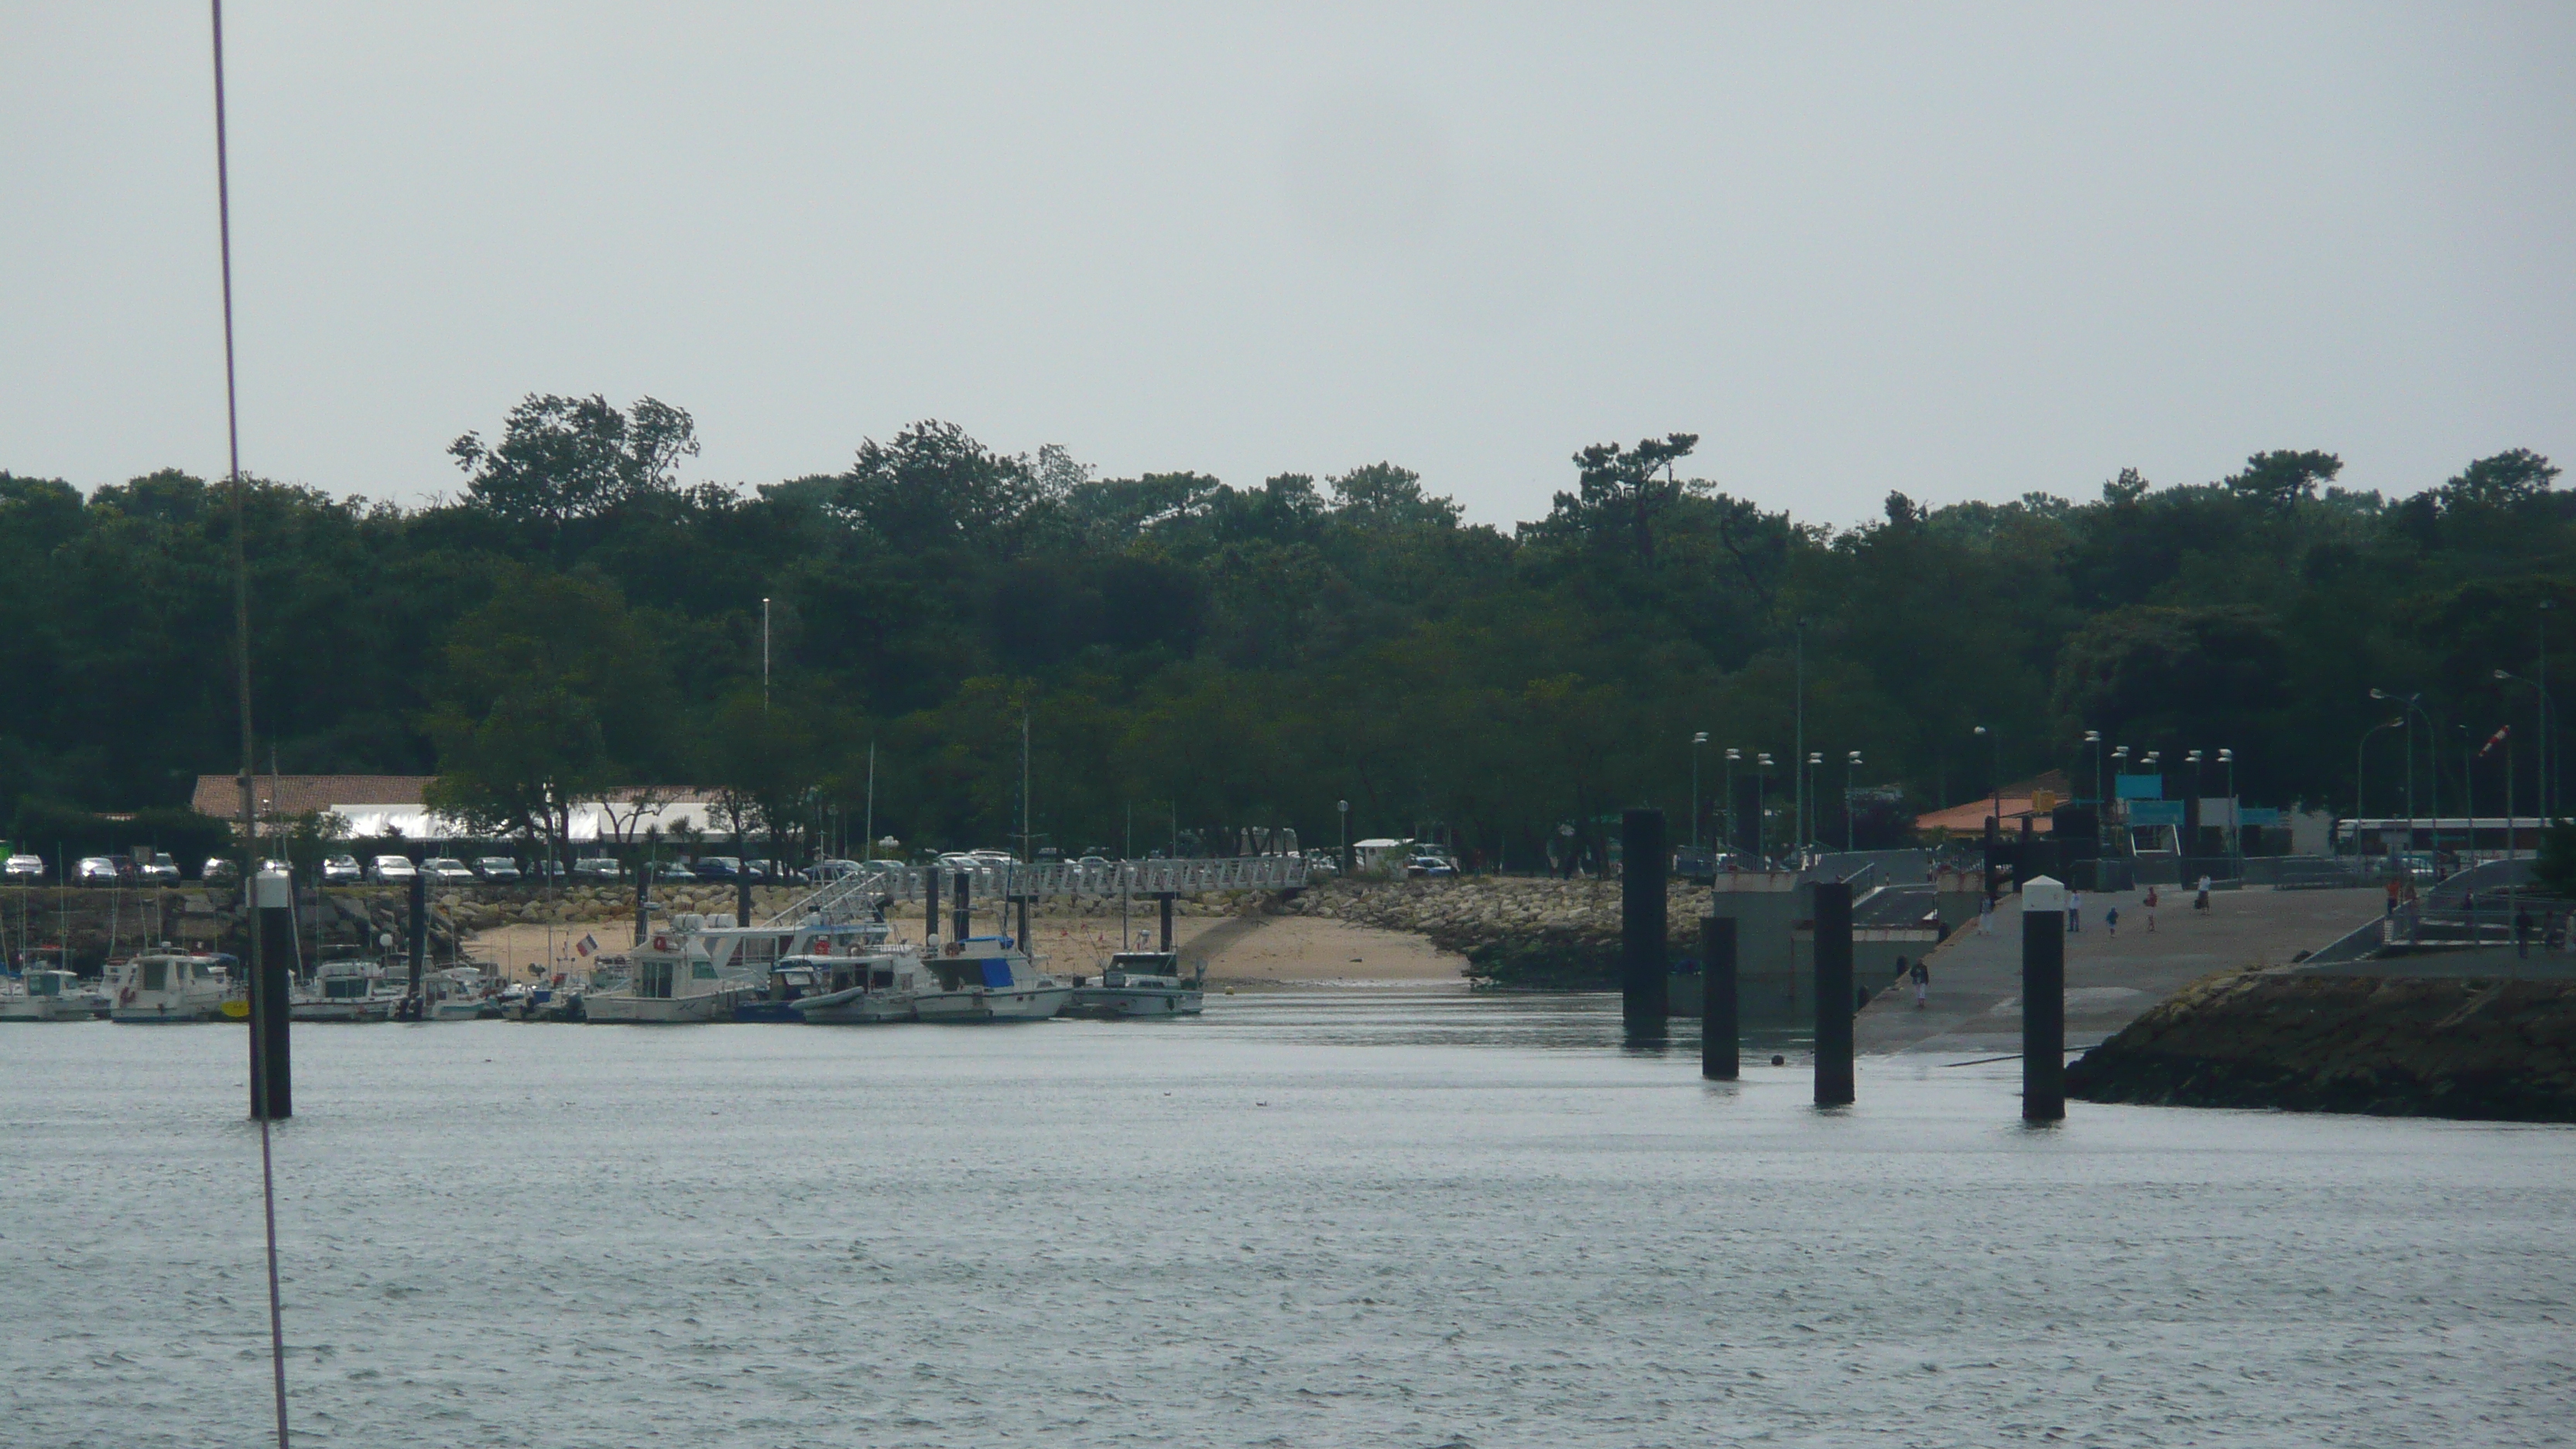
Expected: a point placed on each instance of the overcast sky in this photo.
(1963, 251)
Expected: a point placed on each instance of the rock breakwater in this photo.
(2387, 1045)
(1514, 931)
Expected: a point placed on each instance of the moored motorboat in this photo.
(1140, 984)
(47, 995)
(169, 986)
(987, 978)
(352, 990)
(880, 986)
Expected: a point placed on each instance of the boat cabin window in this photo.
(156, 975)
(653, 979)
(44, 983)
(881, 979)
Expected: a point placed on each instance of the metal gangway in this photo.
(858, 894)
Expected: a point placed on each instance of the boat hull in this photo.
(139, 1015)
(1135, 1001)
(855, 1008)
(371, 1009)
(45, 1008)
(661, 1010)
(1010, 1003)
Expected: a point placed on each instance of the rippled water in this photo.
(1369, 1217)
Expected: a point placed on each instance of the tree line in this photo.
(1190, 656)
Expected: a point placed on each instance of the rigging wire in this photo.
(241, 673)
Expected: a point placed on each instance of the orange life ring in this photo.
(661, 943)
(822, 947)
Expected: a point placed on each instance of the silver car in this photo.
(498, 868)
(24, 867)
(393, 868)
(342, 870)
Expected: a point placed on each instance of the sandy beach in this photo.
(1243, 952)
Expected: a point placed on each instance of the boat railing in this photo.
(857, 893)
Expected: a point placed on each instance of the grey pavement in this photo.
(2480, 963)
(1975, 997)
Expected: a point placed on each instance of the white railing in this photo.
(855, 895)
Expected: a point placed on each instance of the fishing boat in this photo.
(1140, 983)
(460, 993)
(350, 990)
(863, 990)
(987, 978)
(699, 967)
(169, 986)
(47, 995)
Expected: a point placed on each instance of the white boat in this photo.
(459, 993)
(697, 968)
(862, 990)
(354, 990)
(47, 996)
(986, 978)
(1140, 983)
(168, 986)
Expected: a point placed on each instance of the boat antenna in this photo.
(241, 683)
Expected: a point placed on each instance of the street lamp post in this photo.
(2193, 810)
(1734, 836)
(1998, 778)
(2360, 759)
(2119, 766)
(1851, 833)
(2235, 813)
(1762, 805)
(1343, 807)
(2100, 812)
(2414, 704)
(1697, 740)
(1807, 831)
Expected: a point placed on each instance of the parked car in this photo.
(24, 867)
(717, 867)
(674, 870)
(1423, 867)
(341, 870)
(392, 868)
(96, 870)
(125, 868)
(447, 870)
(497, 868)
(598, 867)
(159, 870)
(1093, 862)
(218, 869)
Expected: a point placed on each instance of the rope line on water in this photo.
(241, 659)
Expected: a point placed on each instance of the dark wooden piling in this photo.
(1020, 937)
(1719, 1037)
(2043, 1001)
(742, 899)
(272, 978)
(1643, 875)
(1163, 907)
(930, 905)
(1833, 942)
(962, 908)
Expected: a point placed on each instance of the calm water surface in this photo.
(1375, 1217)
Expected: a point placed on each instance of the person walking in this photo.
(2522, 932)
(2111, 920)
(1986, 916)
(2200, 900)
(1921, 976)
(2151, 910)
(2075, 913)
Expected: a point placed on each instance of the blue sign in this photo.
(2140, 787)
(2155, 812)
(2257, 815)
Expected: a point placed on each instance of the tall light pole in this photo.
(2414, 704)
(1998, 777)
(1697, 740)
(1799, 745)
(2193, 759)
(764, 655)
(1762, 805)
(1807, 830)
(1851, 833)
(1734, 836)
(1343, 807)
(2235, 812)
(2100, 811)
(2120, 767)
